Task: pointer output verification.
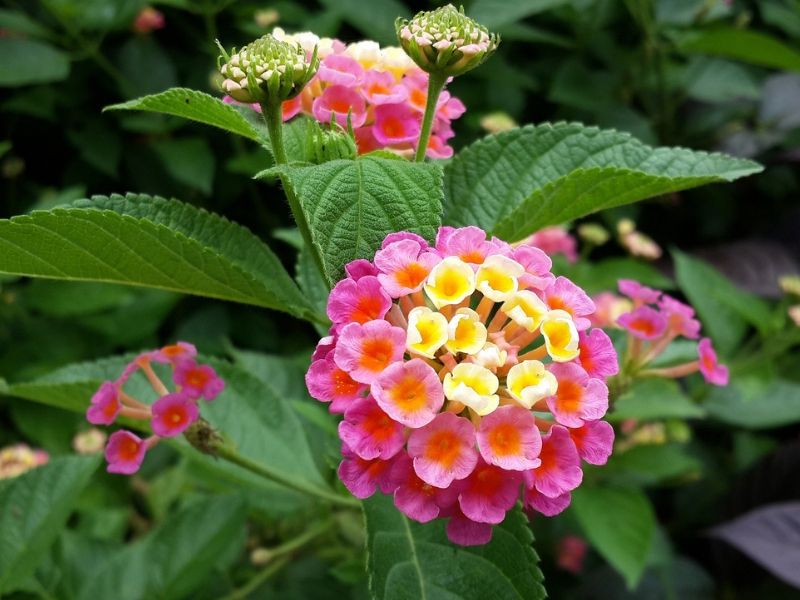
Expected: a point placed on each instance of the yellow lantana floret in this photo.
(450, 282)
(465, 332)
(473, 386)
(560, 335)
(427, 331)
(497, 277)
(490, 356)
(529, 382)
(526, 309)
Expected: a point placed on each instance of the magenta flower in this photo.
(443, 360)
(172, 414)
(380, 87)
(555, 240)
(644, 322)
(338, 69)
(340, 103)
(712, 371)
(680, 317)
(105, 405)
(174, 353)
(395, 124)
(641, 294)
(125, 452)
(198, 381)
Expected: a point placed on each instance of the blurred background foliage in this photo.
(706, 74)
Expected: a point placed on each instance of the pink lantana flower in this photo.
(555, 240)
(644, 322)
(640, 294)
(172, 414)
(712, 371)
(105, 405)
(198, 381)
(380, 87)
(341, 104)
(680, 317)
(125, 452)
(174, 353)
(395, 124)
(339, 69)
(594, 441)
(443, 360)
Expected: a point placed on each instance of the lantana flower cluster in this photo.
(468, 376)
(654, 320)
(379, 90)
(169, 416)
(20, 458)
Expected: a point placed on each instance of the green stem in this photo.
(436, 83)
(273, 115)
(227, 453)
(279, 558)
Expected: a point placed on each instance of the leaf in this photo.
(26, 62)
(518, 181)
(406, 559)
(717, 80)
(197, 106)
(377, 22)
(152, 242)
(177, 558)
(620, 523)
(351, 205)
(19, 22)
(36, 506)
(755, 403)
(495, 13)
(770, 535)
(145, 66)
(653, 399)
(603, 275)
(651, 464)
(724, 309)
(189, 161)
(752, 47)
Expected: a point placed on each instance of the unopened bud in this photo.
(794, 314)
(790, 284)
(331, 144)
(266, 17)
(497, 121)
(445, 41)
(90, 441)
(266, 71)
(593, 233)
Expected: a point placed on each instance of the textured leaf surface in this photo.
(178, 557)
(352, 204)
(724, 309)
(152, 242)
(197, 106)
(33, 509)
(747, 46)
(26, 62)
(408, 560)
(654, 399)
(755, 403)
(521, 180)
(620, 524)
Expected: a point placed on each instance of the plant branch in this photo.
(436, 83)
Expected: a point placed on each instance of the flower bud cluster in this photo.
(445, 41)
(170, 415)
(267, 70)
(467, 375)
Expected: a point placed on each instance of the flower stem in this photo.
(226, 452)
(273, 115)
(436, 83)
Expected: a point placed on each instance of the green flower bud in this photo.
(445, 41)
(593, 233)
(266, 71)
(331, 144)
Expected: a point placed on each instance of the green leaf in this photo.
(620, 524)
(152, 242)
(518, 181)
(19, 22)
(189, 161)
(724, 309)
(36, 506)
(408, 560)
(755, 403)
(717, 80)
(495, 13)
(651, 464)
(200, 107)
(26, 62)
(377, 23)
(351, 205)
(177, 558)
(653, 399)
(603, 275)
(752, 47)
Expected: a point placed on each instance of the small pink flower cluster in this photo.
(168, 416)
(466, 372)
(148, 20)
(654, 321)
(555, 240)
(381, 91)
(20, 458)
